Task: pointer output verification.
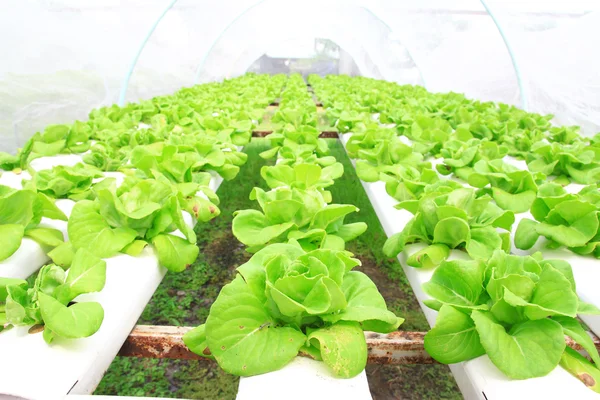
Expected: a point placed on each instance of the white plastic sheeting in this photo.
(556, 47)
(61, 58)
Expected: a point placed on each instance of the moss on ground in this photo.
(184, 299)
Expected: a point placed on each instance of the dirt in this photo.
(416, 382)
(387, 287)
(222, 255)
(226, 252)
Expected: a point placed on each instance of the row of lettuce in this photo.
(298, 293)
(516, 309)
(166, 150)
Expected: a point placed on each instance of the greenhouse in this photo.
(262, 199)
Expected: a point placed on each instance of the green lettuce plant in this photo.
(188, 160)
(128, 218)
(406, 183)
(302, 215)
(564, 134)
(517, 310)
(21, 212)
(303, 176)
(429, 133)
(125, 139)
(350, 120)
(409, 192)
(369, 139)
(296, 116)
(511, 188)
(460, 157)
(285, 300)
(292, 143)
(236, 130)
(55, 139)
(62, 182)
(520, 141)
(565, 219)
(50, 300)
(577, 161)
(107, 157)
(452, 219)
(380, 152)
(299, 155)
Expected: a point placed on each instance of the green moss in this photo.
(203, 381)
(137, 377)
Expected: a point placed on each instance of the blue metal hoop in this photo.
(513, 59)
(125, 83)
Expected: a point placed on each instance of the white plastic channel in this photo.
(77, 366)
(478, 378)
(317, 383)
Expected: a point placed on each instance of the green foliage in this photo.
(563, 218)
(184, 299)
(285, 299)
(511, 188)
(62, 182)
(298, 291)
(295, 214)
(577, 161)
(48, 300)
(56, 139)
(140, 209)
(21, 212)
(454, 219)
(382, 155)
(474, 139)
(514, 309)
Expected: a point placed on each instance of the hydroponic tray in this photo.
(478, 378)
(77, 366)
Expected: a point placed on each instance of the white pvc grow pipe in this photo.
(317, 382)
(77, 366)
(479, 378)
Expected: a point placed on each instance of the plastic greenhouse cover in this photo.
(66, 57)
